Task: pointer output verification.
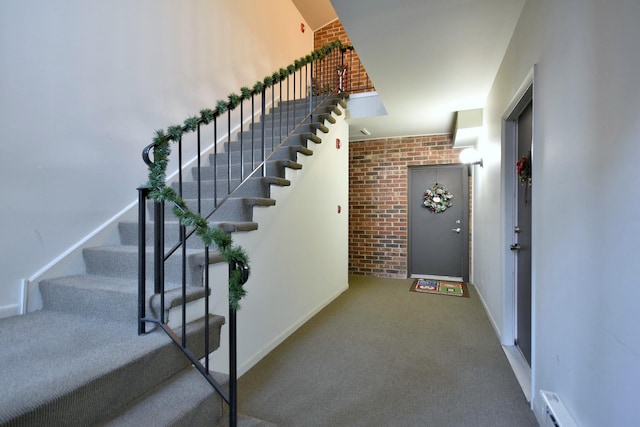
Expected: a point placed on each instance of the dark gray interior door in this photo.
(522, 237)
(439, 242)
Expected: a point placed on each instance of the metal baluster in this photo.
(253, 130)
(215, 161)
(142, 258)
(280, 109)
(183, 239)
(273, 124)
(288, 97)
(158, 254)
(229, 151)
(183, 244)
(241, 141)
(262, 131)
(206, 308)
(199, 155)
(294, 94)
(309, 77)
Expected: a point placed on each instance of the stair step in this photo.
(122, 261)
(186, 399)
(108, 297)
(190, 188)
(221, 171)
(303, 128)
(83, 369)
(234, 148)
(240, 206)
(240, 209)
(248, 154)
(129, 232)
(234, 226)
(257, 186)
(273, 166)
(279, 125)
(246, 421)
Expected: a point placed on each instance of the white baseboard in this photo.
(491, 319)
(520, 368)
(9, 310)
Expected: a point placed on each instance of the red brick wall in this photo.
(378, 199)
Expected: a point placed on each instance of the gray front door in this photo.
(522, 237)
(439, 242)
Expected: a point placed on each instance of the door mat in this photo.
(441, 287)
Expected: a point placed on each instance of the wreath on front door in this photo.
(523, 168)
(437, 198)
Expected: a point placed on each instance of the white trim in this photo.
(9, 310)
(508, 261)
(24, 295)
(493, 322)
(517, 98)
(520, 368)
(434, 277)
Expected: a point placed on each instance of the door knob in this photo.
(515, 247)
(457, 230)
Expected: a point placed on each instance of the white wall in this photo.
(586, 192)
(83, 87)
(298, 255)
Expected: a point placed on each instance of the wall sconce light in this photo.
(470, 156)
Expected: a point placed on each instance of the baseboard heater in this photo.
(555, 413)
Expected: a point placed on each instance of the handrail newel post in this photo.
(142, 258)
(233, 379)
(158, 254)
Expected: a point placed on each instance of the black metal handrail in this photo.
(309, 82)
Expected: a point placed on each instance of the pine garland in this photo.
(158, 190)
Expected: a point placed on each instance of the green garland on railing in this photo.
(158, 175)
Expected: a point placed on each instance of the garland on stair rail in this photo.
(234, 255)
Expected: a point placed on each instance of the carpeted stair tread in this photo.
(275, 136)
(246, 421)
(301, 150)
(259, 201)
(108, 297)
(315, 138)
(97, 366)
(233, 227)
(129, 234)
(322, 128)
(290, 164)
(329, 118)
(122, 261)
(239, 209)
(186, 399)
(190, 188)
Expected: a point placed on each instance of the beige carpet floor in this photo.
(380, 355)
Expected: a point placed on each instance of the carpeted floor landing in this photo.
(381, 356)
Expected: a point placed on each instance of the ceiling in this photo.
(428, 59)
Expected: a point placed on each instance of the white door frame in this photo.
(509, 188)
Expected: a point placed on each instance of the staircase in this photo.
(79, 361)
